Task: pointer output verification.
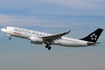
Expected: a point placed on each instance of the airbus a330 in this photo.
(47, 39)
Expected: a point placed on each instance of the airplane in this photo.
(47, 39)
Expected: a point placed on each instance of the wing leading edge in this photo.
(51, 38)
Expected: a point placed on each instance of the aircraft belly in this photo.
(71, 43)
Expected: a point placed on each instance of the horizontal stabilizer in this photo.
(93, 43)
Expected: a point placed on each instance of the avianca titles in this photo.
(47, 39)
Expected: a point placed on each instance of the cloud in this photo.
(53, 7)
(56, 26)
(6, 20)
(50, 21)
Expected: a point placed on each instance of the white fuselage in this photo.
(25, 33)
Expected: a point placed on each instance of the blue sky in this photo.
(53, 16)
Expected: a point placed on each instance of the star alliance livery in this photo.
(47, 39)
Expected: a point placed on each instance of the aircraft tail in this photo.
(93, 37)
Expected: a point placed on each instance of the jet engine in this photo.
(36, 40)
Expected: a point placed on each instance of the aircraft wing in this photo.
(51, 38)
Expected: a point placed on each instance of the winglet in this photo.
(67, 32)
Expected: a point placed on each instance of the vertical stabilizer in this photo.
(93, 37)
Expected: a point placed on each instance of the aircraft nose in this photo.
(2, 29)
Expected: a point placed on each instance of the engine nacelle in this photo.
(36, 40)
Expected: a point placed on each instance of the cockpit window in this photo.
(6, 28)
